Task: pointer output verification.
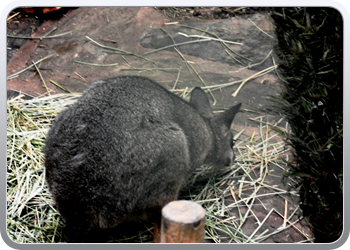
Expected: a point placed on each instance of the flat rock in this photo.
(134, 31)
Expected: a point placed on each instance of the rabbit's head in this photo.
(221, 153)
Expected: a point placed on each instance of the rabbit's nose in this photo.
(229, 158)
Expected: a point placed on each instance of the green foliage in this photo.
(310, 52)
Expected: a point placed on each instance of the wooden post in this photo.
(182, 222)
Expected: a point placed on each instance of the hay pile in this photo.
(229, 197)
(31, 217)
(310, 47)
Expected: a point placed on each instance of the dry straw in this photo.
(32, 217)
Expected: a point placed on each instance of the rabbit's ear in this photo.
(200, 101)
(227, 117)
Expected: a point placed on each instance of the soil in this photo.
(140, 30)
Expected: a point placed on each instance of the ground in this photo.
(82, 45)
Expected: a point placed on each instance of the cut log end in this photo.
(182, 222)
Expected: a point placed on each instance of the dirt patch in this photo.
(206, 13)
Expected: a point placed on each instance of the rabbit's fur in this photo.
(124, 150)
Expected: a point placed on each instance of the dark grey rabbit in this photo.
(125, 148)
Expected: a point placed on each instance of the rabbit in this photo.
(125, 149)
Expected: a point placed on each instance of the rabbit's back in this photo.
(115, 155)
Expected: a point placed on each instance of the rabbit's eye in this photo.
(233, 141)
